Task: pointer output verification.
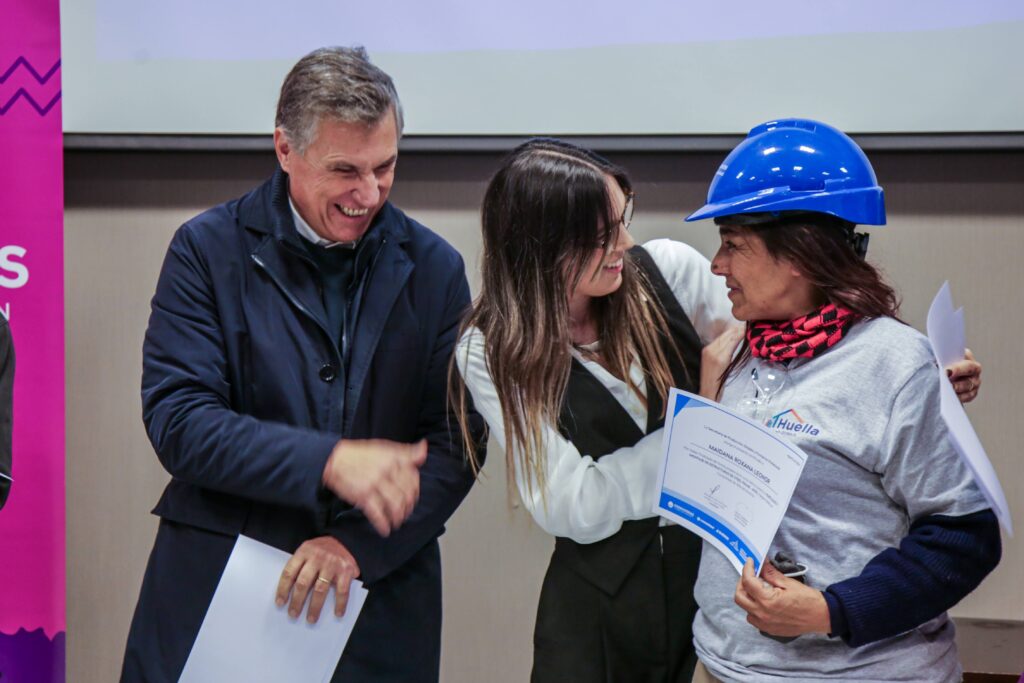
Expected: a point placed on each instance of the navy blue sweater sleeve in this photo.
(938, 563)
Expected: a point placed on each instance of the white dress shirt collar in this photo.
(310, 235)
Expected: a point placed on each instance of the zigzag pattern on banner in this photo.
(21, 61)
(22, 93)
(42, 110)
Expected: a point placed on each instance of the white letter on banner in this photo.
(19, 270)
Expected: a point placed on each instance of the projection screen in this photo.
(570, 67)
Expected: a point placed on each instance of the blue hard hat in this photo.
(796, 165)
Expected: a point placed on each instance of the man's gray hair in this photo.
(338, 83)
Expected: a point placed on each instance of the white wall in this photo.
(956, 216)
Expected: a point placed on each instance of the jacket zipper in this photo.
(351, 316)
(298, 304)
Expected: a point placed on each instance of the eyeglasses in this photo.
(624, 221)
(627, 212)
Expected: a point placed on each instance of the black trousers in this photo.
(643, 633)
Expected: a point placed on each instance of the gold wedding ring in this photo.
(320, 578)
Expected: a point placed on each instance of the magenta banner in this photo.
(32, 298)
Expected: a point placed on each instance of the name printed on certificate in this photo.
(724, 477)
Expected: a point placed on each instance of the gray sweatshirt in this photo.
(879, 457)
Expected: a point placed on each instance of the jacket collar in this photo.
(266, 210)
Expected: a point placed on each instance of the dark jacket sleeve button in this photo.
(328, 373)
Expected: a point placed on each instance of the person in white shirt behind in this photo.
(568, 353)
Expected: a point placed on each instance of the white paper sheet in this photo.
(246, 637)
(726, 478)
(946, 328)
(946, 334)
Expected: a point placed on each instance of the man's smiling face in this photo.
(343, 177)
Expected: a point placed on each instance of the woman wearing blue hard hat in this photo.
(886, 519)
(568, 353)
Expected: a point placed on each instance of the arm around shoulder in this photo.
(584, 500)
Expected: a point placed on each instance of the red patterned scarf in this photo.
(804, 337)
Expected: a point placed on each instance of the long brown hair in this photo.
(822, 248)
(544, 213)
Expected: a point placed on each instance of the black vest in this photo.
(597, 424)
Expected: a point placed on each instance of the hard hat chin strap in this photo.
(859, 242)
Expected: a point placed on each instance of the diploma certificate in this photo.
(725, 478)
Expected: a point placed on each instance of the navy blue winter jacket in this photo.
(245, 394)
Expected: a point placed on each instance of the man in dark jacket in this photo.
(294, 386)
(6, 410)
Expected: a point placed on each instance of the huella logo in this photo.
(790, 421)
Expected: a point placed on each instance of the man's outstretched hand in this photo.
(380, 477)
